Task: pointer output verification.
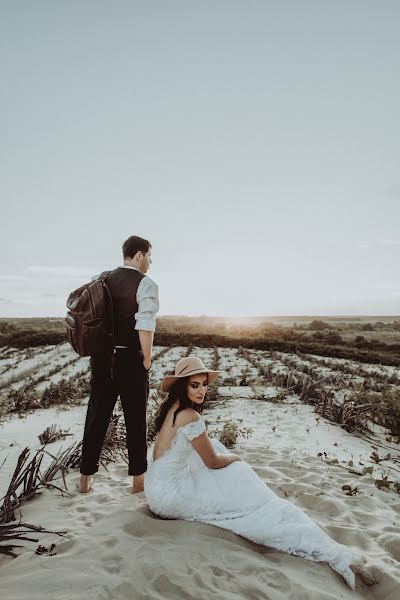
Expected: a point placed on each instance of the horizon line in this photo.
(203, 315)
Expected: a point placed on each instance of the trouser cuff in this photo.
(88, 471)
(136, 472)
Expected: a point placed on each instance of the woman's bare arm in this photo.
(203, 445)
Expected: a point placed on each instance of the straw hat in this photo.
(191, 365)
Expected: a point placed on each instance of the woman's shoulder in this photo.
(186, 416)
(191, 424)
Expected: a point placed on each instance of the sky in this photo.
(255, 143)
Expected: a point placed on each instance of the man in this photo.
(125, 372)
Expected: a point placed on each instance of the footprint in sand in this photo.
(123, 471)
(112, 564)
(350, 537)
(64, 546)
(390, 542)
(82, 509)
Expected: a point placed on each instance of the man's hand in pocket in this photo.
(147, 364)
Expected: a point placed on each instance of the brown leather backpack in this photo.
(89, 320)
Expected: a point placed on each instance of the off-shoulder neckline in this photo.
(172, 443)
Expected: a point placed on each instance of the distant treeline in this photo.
(317, 337)
(25, 334)
(387, 354)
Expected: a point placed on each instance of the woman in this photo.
(193, 477)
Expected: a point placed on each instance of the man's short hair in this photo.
(133, 245)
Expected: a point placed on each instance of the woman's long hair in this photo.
(177, 391)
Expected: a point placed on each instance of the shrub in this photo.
(7, 328)
(25, 338)
(388, 410)
(66, 391)
(20, 400)
(318, 325)
(208, 332)
(332, 337)
(360, 407)
(230, 432)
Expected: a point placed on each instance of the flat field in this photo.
(320, 429)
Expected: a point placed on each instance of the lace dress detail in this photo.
(193, 429)
(178, 485)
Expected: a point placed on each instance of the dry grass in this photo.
(53, 433)
(230, 433)
(114, 446)
(19, 401)
(151, 415)
(66, 391)
(11, 532)
(360, 408)
(28, 478)
(329, 336)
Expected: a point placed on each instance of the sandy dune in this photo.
(115, 548)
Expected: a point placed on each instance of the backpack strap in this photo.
(104, 275)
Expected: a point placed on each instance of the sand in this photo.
(115, 548)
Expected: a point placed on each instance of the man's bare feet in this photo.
(85, 483)
(137, 484)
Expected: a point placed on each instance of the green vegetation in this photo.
(360, 407)
(65, 393)
(335, 337)
(27, 333)
(318, 325)
(230, 432)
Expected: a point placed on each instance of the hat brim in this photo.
(170, 379)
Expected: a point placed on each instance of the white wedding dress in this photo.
(178, 485)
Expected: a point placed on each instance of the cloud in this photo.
(6, 301)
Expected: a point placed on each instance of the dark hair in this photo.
(133, 245)
(177, 391)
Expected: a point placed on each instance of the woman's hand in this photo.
(237, 457)
(234, 457)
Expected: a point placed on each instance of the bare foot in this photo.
(85, 483)
(137, 484)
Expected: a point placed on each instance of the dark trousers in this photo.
(119, 374)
